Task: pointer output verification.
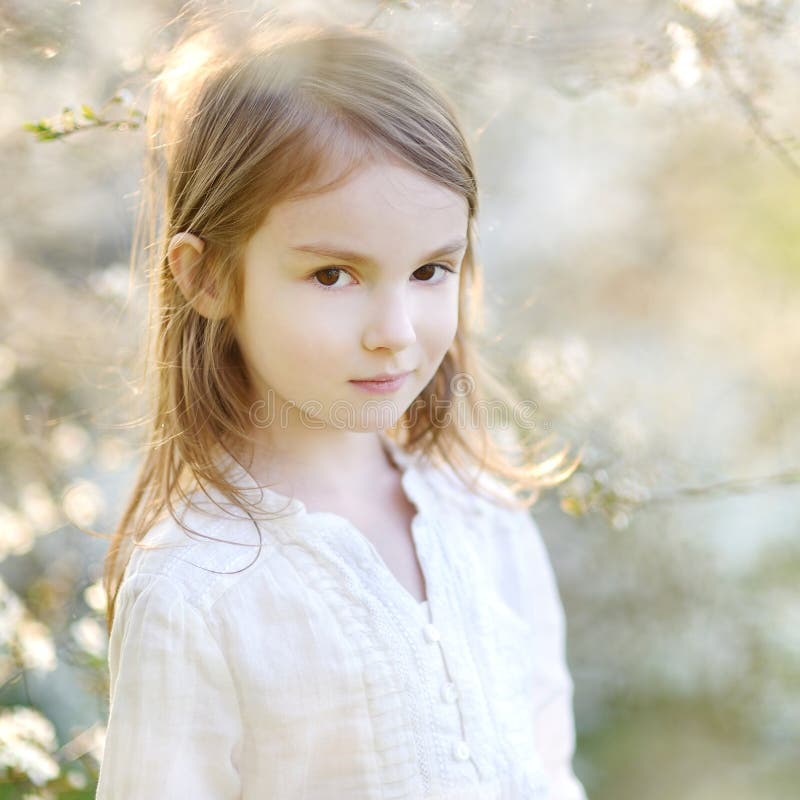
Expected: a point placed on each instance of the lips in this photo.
(381, 384)
(384, 376)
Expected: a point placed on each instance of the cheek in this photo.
(319, 332)
(291, 331)
(440, 322)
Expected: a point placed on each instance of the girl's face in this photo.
(357, 282)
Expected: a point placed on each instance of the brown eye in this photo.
(428, 270)
(330, 274)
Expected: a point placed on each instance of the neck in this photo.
(323, 461)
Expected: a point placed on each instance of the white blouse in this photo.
(304, 669)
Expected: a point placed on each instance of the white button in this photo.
(460, 751)
(449, 692)
(432, 633)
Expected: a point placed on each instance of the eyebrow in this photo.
(332, 251)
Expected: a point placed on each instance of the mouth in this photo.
(382, 384)
(383, 376)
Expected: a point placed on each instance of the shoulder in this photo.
(498, 526)
(483, 496)
(502, 529)
(201, 553)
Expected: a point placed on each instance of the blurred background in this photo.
(639, 178)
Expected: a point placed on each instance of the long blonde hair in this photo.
(243, 116)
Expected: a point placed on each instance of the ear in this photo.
(185, 256)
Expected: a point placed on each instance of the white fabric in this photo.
(304, 669)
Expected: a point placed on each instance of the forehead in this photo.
(377, 200)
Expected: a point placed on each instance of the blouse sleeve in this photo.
(173, 725)
(552, 691)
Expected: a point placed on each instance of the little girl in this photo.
(327, 583)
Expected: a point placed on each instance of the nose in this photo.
(389, 323)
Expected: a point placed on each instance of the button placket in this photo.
(449, 692)
(431, 633)
(453, 718)
(460, 750)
